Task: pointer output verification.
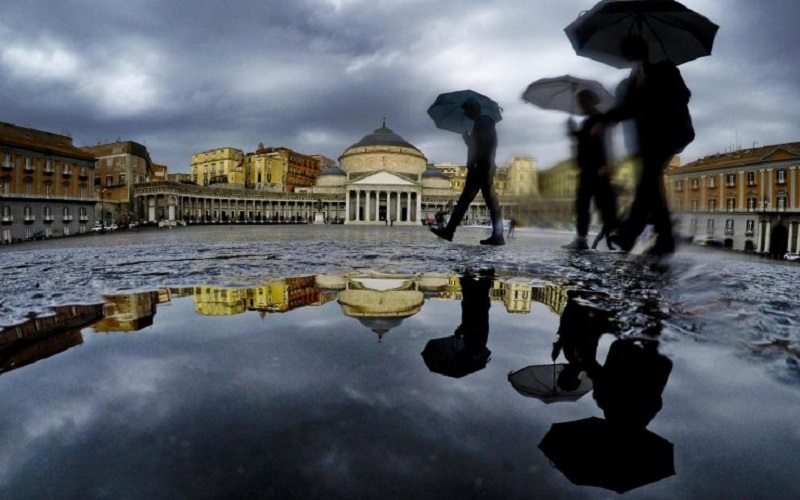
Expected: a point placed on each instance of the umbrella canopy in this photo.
(592, 452)
(448, 356)
(448, 114)
(672, 31)
(541, 382)
(561, 93)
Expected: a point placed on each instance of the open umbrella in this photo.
(541, 382)
(448, 114)
(449, 356)
(561, 93)
(593, 452)
(673, 32)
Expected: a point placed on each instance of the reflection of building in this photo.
(381, 302)
(130, 312)
(39, 338)
(274, 296)
(747, 199)
(553, 296)
(46, 185)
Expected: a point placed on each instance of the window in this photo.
(7, 160)
(122, 178)
(28, 164)
(712, 183)
(67, 169)
(751, 178)
(751, 203)
(730, 204)
(109, 179)
(82, 213)
(750, 228)
(65, 212)
(66, 190)
(48, 189)
(83, 191)
(27, 211)
(48, 166)
(695, 184)
(678, 185)
(695, 205)
(781, 176)
(781, 202)
(710, 226)
(729, 226)
(6, 211)
(5, 186)
(694, 226)
(712, 205)
(731, 180)
(48, 212)
(28, 188)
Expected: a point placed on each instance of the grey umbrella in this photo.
(448, 114)
(673, 32)
(560, 93)
(541, 382)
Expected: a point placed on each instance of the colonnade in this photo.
(364, 206)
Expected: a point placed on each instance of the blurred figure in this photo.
(481, 148)
(656, 98)
(512, 224)
(595, 170)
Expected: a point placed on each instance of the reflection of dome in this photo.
(380, 311)
(383, 150)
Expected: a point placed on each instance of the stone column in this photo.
(761, 194)
(742, 205)
(367, 215)
(419, 208)
(358, 205)
(792, 188)
(377, 206)
(398, 206)
(769, 188)
(347, 206)
(722, 201)
(408, 204)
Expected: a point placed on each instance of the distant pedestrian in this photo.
(595, 167)
(481, 149)
(512, 224)
(656, 98)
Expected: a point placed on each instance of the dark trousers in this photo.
(649, 203)
(478, 179)
(590, 185)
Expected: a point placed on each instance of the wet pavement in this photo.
(334, 362)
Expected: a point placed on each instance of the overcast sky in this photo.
(317, 75)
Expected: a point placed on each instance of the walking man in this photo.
(481, 148)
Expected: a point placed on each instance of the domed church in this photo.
(383, 178)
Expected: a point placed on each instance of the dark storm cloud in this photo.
(318, 75)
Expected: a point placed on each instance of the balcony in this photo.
(7, 165)
(83, 174)
(48, 170)
(66, 172)
(49, 218)
(728, 231)
(67, 218)
(29, 218)
(29, 168)
(84, 218)
(6, 219)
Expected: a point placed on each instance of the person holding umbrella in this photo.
(656, 98)
(481, 148)
(596, 170)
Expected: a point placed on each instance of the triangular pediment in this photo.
(382, 178)
(778, 154)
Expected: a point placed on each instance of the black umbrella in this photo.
(672, 31)
(542, 382)
(593, 452)
(448, 114)
(449, 356)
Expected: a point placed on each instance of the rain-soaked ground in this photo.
(339, 362)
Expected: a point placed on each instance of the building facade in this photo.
(46, 185)
(219, 166)
(747, 199)
(119, 166)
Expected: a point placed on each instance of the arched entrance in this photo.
(779, 241)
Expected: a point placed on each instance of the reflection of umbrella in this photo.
(592, 452)
(672, 31)
(541, 382)
(448, 114)
(560, 93)
(448, 356)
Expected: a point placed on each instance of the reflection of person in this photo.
(579, 332)
(475, 304)
(481, 148)
(656, 98)
(628, 388)
(595, 170)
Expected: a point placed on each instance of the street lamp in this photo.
(102, 208)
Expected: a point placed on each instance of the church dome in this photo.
(333, 171)
(383, 150)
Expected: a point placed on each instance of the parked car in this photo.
(98, 228)
(707, 241)
(134, 224)
(112, 227)
(791, 256)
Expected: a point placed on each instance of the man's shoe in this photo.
(577, 244)
(442, 233)
(623, 244)
(494, 240)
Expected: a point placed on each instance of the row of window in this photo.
(730, 204)
(730, 180)
(5, 212)
(47, 188)
(749, 230)
(49, 166)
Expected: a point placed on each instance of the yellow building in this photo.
(46, 185)
(266, 171)
(120, 165)
(747, 199)
(219, 166)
